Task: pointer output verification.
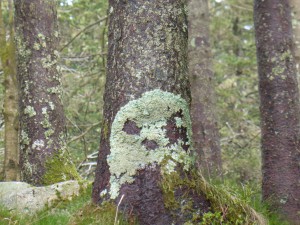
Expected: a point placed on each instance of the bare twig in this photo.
(82, 31)
(84, 133)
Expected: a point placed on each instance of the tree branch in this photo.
(84, 133)
(82, 31)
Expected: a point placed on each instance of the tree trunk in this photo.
(296, 29)
(279, 108)
(10, 109)
(146, 132)
(43, 151)
(204, 119)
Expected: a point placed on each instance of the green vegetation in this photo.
(82, 63)
(60, 168)
(59, 214)
(106, 214)
(234, 65)
(229, 203)
(79, 211)
(225, 207)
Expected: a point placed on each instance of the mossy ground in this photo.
(80, 211)
(106, 215)
(224, 207)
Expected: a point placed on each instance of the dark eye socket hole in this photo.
(130, 127)
(150, 144)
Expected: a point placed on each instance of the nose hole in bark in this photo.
(150, 144)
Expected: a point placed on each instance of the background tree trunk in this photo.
(280, 110)
(11, 170)
(146, 132)
(42, 156)
(296, 29)
(203, 112)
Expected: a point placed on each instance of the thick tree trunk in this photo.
(11, 170)
(146, 133)
(280, 110)
(204, 119)
(42, 154)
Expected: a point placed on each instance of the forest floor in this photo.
(80, 211)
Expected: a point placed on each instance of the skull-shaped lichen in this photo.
(147, 131)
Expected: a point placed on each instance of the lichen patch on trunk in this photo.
(152, 130)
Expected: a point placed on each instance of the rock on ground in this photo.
(24, 198)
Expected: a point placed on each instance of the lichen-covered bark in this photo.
(146, 129)
(10, 108)
(279, 108)
(203, 112)
(42, 153)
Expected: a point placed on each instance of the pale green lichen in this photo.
(24, 138)
(29, 110)
(150, 113)
(42, 40)
(46, 123)
(36, 46)
(54, 90)
(44, 110)
(47, 62)
(56, 34)
(23, 51)
(52, 107)
(38, 144)
(279, 69)
(41, 36)
(48, 133)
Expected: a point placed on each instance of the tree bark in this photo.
(203, 112)
(11, 170)
(279, 107)
(146, 132)
(43, 152)
(296, 29)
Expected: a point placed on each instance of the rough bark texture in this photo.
(279, 108)
(42, 157)
(203, 112)
(11, 170)
(146, 131)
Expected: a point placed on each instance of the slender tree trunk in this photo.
(280, 110)
(296, 29)
(204, 119)
(42, 156)
(10, 108)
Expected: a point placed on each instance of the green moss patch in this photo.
(59, 168)
(223, 208)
